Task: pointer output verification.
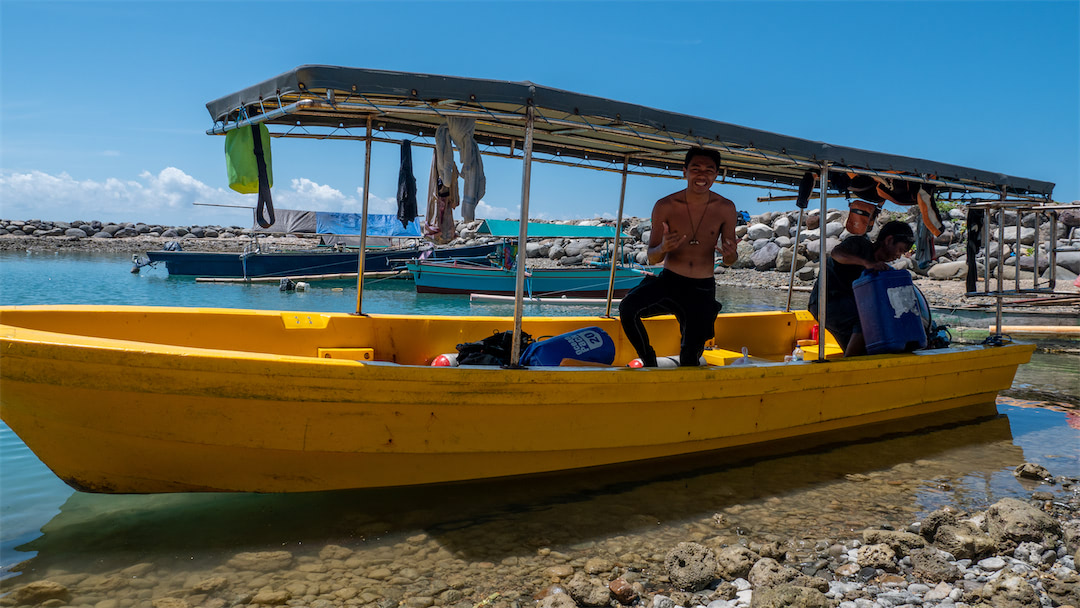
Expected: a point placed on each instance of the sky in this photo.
(103, 117)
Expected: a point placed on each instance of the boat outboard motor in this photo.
(937, 336)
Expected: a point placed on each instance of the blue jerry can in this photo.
(589, 345)
(889, 312)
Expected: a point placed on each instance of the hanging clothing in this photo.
(975, 218)
(472, 167)
(406, 187)
(443, 198)
(924, 242)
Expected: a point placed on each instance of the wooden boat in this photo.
(323, 261)
(461, 277)
(150, 399)
(154, 399)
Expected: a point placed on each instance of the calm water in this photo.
(43, 521)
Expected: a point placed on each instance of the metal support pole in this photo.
(523, 233)
(1053, 249)
(1035, 256)
(823, 276)
(618, 230)
(795, 252)
(1016, 248)
(363, 222)
(1001, 265)
(986, 250)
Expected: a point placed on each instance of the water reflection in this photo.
(823, 492)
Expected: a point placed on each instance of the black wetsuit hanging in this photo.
(975, 218)
(406, 188)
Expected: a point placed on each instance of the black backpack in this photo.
(492, 350)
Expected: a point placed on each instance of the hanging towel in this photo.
(406, 187)
(442, 196)
(931, 217)
(975, 218)
(472, 167)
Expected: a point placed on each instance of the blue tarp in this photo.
(331, 222)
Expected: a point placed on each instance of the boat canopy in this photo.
(328, 102)
(510, 229)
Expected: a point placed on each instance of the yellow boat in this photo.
(159, 399)
(148, 399)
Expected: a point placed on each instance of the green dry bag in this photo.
(247, 158)
(241, 162)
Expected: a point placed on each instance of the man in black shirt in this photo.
(845, 264)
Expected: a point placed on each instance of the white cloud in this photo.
(167, 197)
(486, 211)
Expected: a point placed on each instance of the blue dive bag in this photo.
(589, 344)
(889, 312)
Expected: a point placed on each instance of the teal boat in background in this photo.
(456, 276)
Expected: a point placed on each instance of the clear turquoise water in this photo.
(42, 517)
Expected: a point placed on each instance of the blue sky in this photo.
(102, 104)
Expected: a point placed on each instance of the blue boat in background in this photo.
(336, 255)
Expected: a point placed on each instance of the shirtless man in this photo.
(687, 227)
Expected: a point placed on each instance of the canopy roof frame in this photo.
(567, 125)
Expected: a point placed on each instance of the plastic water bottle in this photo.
(797, 354)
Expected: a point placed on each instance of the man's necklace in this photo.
(693, 230)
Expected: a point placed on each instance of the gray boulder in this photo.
(903, 543)
(768, 572)
(1070, 260)
(759, 231)
(784, 260)
(588, 591)
(1010, 522)
(833, 229)
(745, 250)
(78, 233)
(690, 566)
(963, 540)
(735, 562)
(948, 270)
(765, 258)
(1009, 591)
(934, 566)
(782, 226)
(789, 596)
(879, 556)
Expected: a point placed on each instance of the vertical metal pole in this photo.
(986, 250)
(795, 252)
(615, 257)
(823, 276)
(523, 233)
(1001, 267)
(1035, 256)
(363, 222)
(1053, 249)
(1016, 248)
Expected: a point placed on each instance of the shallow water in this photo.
(496, 536)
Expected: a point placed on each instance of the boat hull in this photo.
(450, 278)
(293, 263)
(109, 413)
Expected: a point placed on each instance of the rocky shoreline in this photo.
(1014, 554)
(767, 249)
